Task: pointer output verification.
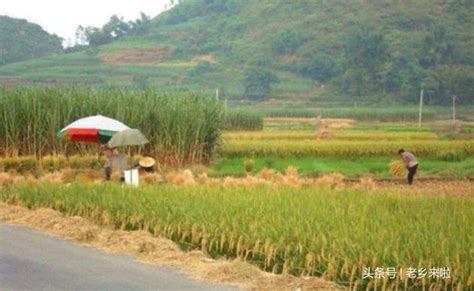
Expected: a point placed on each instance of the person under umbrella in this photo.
(115, 163)
(127, 137)
(98, 129)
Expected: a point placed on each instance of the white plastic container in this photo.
(131, 177)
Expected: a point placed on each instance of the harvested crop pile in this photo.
(397, 168)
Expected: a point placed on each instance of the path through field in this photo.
(30, 260)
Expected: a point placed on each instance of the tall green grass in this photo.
(243, 120)
(319, 232)
(182, 127)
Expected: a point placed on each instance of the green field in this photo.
(351, 168)
(358, 149)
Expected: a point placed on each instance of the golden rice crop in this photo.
(342, 148)
(345, 134)
(366, 183)
(267, 174)
(69, 175)
(185, 177)
(151, 178)
(204, 179)
(267, 135)
(5, 179)
(88, 176)
(55, 177)
(282, 229)
(397, 168)
(331, 180)
(292, 171)
(52, 163)
(324, 133)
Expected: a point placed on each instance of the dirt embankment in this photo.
(137, 57)
(157, 251)
(150, 57)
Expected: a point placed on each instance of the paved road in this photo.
(30, 260)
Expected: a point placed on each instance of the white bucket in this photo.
(131, 177)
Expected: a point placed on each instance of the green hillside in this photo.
(316, 50)
(21, 40)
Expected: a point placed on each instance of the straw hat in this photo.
(146, 162)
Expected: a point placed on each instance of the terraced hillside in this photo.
(370, 50)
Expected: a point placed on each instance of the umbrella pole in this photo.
(66, 152)
(98, 152)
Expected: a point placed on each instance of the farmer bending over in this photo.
(410, 162)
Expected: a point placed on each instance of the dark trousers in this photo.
(411, 173)
(108, 173)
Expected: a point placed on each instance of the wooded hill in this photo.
(320, 50)
(21, 40)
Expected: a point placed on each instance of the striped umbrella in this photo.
(96, 129)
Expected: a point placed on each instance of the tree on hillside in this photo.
(141, 25)
(320, 67)
(114, 29)
(258, 83)
(287, 42)
(364, 56)
(93, 36)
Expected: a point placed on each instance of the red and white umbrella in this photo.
(97, 129)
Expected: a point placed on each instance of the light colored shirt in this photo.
(118, 163)
(409, 159)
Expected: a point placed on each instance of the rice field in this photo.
(297, 195)
(335, 233)
(345, 134)
(342, 148)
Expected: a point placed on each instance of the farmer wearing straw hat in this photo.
(147, 164)
(410, 162)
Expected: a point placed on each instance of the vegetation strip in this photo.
(182, 127)
(341, 148)
(333, 233)
(155, 250)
